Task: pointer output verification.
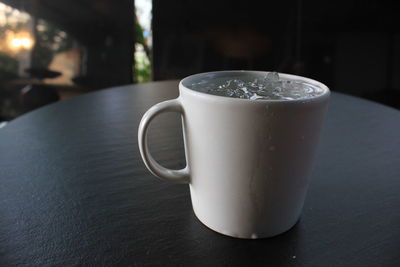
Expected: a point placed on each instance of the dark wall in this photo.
(352, 46)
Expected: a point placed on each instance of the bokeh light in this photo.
(19, 41)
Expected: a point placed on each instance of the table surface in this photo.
(74, 190)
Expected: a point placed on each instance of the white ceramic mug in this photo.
(248, 161)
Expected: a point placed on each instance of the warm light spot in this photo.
(20, 40)
(15, 42)
(26, 42)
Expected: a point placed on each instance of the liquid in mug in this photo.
(270, 87)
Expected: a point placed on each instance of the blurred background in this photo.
(52, 50)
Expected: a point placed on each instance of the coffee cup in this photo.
(248, 161)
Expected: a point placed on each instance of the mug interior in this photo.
(248, 76)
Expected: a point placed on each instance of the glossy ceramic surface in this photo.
(248, 162)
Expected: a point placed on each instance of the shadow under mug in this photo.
(248, 161)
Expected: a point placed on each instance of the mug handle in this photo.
(180, 176)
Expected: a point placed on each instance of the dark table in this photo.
(74, 190)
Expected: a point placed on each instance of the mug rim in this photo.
(313, 82)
